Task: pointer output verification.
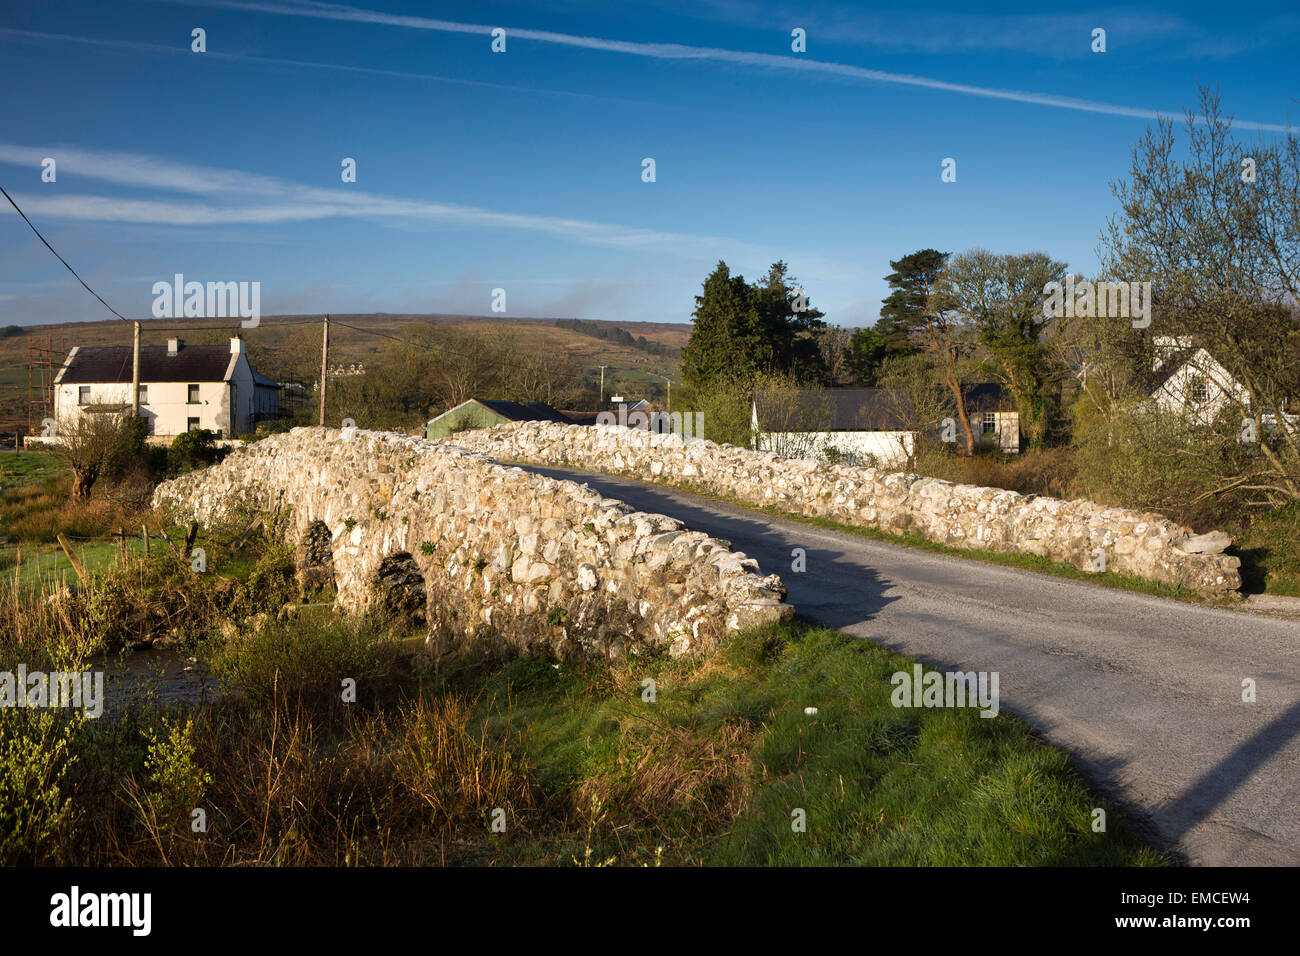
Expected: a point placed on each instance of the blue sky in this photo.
(522, 170)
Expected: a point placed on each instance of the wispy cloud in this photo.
(136, 46)
(234, 197)
(677, 51)
(1051, 35)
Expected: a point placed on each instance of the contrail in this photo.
(678, 51)
(309, 64)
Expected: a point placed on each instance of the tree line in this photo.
(615, 334)
(1214, 227)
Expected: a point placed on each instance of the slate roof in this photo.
(515, 412)
(580, 418)
(112, 364)
(867, 409)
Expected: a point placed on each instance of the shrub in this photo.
(194, 449)
(176, 780)
(303, 662)
(37, 813)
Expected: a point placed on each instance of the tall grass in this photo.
(329, 745)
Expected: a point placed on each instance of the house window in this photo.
(1199, 389)
(191, 424)
(990, 422)
(143, 395)
(193, 398)
(83, 395)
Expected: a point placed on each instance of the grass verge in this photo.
(519, 761)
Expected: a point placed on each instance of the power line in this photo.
(217, 328)
(61, 259)
(146, 327)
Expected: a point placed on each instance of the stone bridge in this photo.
(1090, 536)
(480, 552)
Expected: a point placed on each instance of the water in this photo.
(159, 676)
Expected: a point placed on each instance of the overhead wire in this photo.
(60, 258)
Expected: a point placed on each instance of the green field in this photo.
(24, 479)
(46, 566)
(28, 468)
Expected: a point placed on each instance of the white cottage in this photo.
(182, 387)
(1189, 381)
(862, 425)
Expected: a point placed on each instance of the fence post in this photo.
(72, 559)
(144, 531)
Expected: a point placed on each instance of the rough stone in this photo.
(1215, 542)
(480, 551)
(990, 519)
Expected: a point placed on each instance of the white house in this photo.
(1188, 380)
(182, 387)
(865, 424)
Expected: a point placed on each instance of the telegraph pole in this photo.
(135, 371)
(602, 383)
(324, 358)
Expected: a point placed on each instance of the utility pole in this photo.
(135, 371)
(324, 358)
(670, 395)
(602, 383)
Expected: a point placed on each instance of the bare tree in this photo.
(793, 422)
(91, 443)
(833, 344)
(917, 397)
(1216, 230)
(467, 364)
(945, 334)
(1001, 296)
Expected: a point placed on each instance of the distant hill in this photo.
(280, 344)
(602, 330)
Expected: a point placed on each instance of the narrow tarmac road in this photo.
(1145, 692)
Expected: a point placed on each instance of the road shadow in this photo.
(834, 589)
(1214, 787)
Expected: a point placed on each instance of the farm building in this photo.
(182, 387)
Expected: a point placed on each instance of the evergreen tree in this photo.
(912, 281)
(789, 324)
(868, 350)
(742, 329)
(727, 338)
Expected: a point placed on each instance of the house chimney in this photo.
(173, 346)
(236, 345)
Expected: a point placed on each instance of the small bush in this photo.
(304, 662)
(37, 813)
(194, 449)
(177, 781)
